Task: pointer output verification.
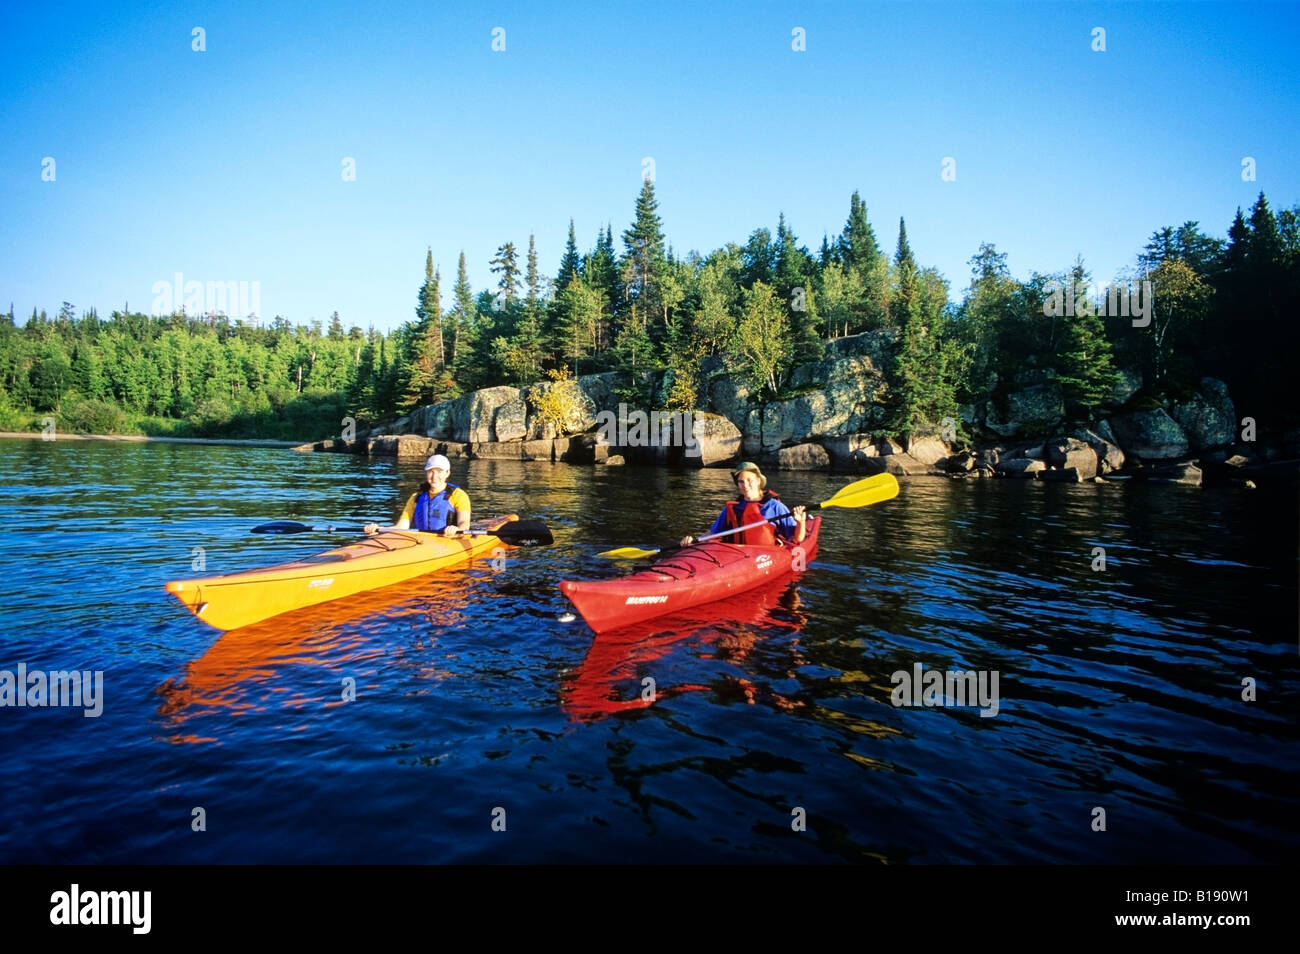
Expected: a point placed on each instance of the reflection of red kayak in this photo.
(612, 677)
(685, 578)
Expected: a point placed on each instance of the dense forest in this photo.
(1229, 308)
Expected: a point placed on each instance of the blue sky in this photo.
(226, 164)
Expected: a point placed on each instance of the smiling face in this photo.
(747, 484)
(437, 478)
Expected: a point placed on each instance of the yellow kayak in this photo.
(393, 556)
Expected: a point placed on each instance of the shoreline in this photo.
(143, 439)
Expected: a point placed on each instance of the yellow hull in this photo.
(241, 599)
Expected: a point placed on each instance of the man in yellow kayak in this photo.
(437, 507)
(755, 503)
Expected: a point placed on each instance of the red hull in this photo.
(686, 578)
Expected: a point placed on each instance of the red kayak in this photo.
(687, 577)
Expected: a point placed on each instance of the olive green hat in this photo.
(762, 481)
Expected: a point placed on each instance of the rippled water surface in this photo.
(1119, 690)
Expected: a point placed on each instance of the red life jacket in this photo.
(741, 512)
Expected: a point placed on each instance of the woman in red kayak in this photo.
(754, 503)
(437, 507)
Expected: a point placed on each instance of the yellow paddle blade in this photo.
(860, 493)
(627, 553)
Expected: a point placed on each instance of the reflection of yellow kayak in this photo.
(239, 599)
(242, 670)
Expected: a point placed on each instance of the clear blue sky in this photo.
(225, 165)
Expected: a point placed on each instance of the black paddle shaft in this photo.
(522, 533)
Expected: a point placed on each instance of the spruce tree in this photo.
(424, 375)
(506, 265)
(642, 267)
(601, 273)
(858, 250)
(793, 270)
(464, 315)
(571, 263)
(921, 383)
(857, 245)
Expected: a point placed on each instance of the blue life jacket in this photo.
(434, 514)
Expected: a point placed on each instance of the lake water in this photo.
(1118, 689)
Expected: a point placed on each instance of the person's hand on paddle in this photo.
(371, 529)
(687, 540)
(451, 530)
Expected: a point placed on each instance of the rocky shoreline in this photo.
(831, 421)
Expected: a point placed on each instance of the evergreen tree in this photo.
(922, 380)
(601, 273)
(464, 313)
(862, 258)
(425, 379)
(557, 322)
(759, 259)
(507, 266)
(983, 321)
(827, 254)
(1084, 367)
(857, 245)
(525, 352)
(642, 268)
(581, 311)
(571, 263)
(793, 272)
(1265, 246)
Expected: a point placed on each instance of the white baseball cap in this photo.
(437, 460)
